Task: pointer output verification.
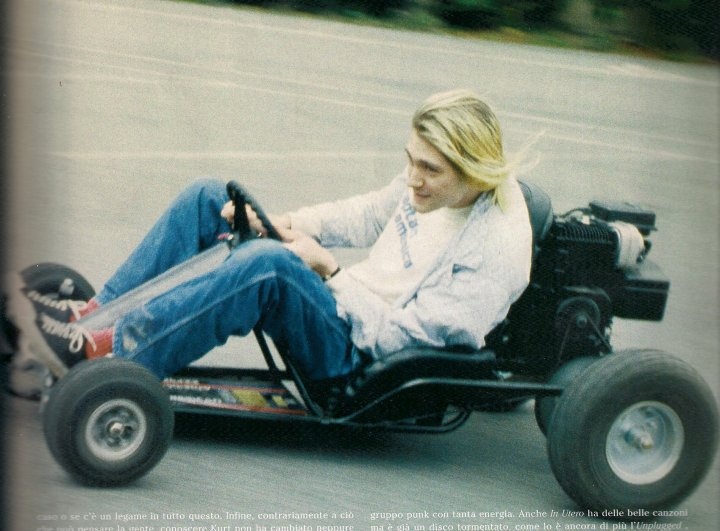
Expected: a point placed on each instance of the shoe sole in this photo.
(21, 312)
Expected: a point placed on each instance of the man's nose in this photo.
(414, 179)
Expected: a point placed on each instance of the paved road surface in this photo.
(119, 105)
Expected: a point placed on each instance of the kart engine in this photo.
(591, 266)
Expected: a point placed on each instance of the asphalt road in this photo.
(119, 105)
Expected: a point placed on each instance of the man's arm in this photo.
(317, 257)
(461, 312)
(353, 222)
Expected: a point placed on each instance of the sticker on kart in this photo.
(190, 394)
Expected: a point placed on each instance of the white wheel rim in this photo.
(115, 430)
(645, 442)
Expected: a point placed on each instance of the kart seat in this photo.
(540, 211)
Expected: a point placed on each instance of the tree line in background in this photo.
(672, 26)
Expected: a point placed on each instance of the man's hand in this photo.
(279, 221)
(310, 251)
(306, 248)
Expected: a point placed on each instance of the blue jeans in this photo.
(260, 283)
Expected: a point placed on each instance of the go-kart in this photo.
(634, 429)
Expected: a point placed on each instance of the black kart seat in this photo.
(540, 210)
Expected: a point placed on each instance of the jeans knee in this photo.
(267, 255)
(204, 189)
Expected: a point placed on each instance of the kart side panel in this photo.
(234, 397)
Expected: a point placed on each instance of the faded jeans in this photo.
(259, 283)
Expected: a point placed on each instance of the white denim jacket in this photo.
(463, 296)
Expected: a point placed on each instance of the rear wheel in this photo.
(566, 374)
(637, 431)
(108, 422)
(57, 281)
(27, 376)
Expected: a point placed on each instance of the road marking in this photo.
(203, 80)
(235, 155)
(644, 72)
(605, 129)
(200, 67)
(657, 154)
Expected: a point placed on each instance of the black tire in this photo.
(108, 422)
(566, 374)
(28, 378)
(637, 431)
(53, 280)
(57, 280)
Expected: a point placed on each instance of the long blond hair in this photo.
(466, 131)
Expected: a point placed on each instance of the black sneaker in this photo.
(64, 310)
(45, 330)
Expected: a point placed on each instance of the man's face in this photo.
(434, 182)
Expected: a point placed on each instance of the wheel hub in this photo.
(640, 439)
(115, 429)
(645, 442)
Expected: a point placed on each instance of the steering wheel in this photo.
(241, 225)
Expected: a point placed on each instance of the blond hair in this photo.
(467, 133)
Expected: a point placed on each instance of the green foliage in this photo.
(671, 25)
(499, 13)
(378, 8)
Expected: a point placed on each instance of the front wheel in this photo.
(637, 431)
(108, 421)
